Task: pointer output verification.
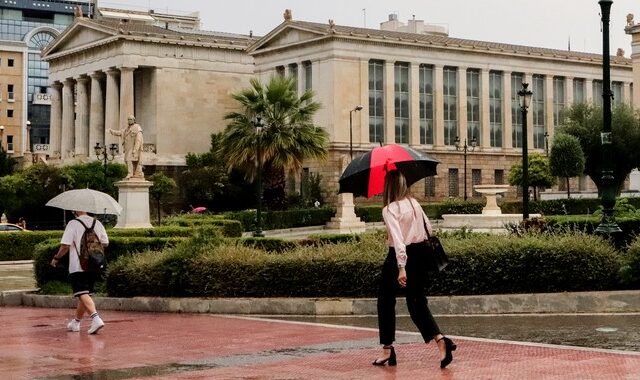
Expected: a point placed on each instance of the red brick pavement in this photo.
(34, 343)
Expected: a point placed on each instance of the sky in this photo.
(540, 23)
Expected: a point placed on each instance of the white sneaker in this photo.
(96, 324)
(73, 325)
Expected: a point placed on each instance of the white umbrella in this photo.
(95, 202)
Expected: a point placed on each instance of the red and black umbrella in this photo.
(365, 174)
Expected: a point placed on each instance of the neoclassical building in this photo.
(427, 90)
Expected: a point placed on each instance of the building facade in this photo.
(427, 90)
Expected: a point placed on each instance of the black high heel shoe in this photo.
(391, 360)
(449, 348)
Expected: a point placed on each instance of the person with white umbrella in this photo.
(82, 281)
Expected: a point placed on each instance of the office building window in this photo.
(9, 144)
(498, 177)
(454, 188)
(376, 101)
(473, 105)
(495, 108)
(516, 112)
(476, 179)
(9, 113)
(426, 104)
(430, 187)
(306, 67)
(558, 100)
(579, 91)
(616, 88)
(450, 94)
(597, 93)
(401, 99)
(537, 109)
(10, 62)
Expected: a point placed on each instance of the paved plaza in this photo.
(133, 345)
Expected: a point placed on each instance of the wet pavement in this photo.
(16, 275)
(36, 345)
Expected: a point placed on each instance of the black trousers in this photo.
(414, 292)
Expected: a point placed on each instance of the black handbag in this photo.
(437, 258)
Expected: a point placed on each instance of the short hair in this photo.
(395, 187)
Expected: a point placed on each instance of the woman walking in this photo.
(404, 267)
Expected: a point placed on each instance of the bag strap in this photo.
(424, 222)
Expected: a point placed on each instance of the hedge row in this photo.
(630, 226)
(118, 246)
(478, 265)
(229, 228)
(274, 220)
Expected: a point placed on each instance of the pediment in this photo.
(285, 36)
(77, 35)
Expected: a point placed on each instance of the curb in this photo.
(539, 303)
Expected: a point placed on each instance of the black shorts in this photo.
(82, 282)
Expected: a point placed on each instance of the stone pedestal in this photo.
(634, 180)
(133, 196)
(346, 220)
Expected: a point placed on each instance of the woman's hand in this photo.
(402, 277)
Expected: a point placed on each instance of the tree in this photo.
(162, 185)
(539, 174)
(91, 176)
(288, 136)
(7, 163)
(584, 121)
(566, 158)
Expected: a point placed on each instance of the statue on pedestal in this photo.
(132, 142)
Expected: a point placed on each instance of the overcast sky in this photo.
(540, 23)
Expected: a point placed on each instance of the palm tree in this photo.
(274, 118)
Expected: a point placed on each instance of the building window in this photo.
(597, 93)
(450, 91)
(537, 107)
(616, 88)
(9, 113)
(476, 179)
(10, 62)
(498, 177)
(376, 101)
(454, 188)
(516, 113)
(473, 105)
(426, 104)
(578, 91)
(401, 88)
(280, 71)
(495, 108)
(430, 187)
(41, 40)
(10, 93)
(293, 73)
(558, 100)
(306, 67)
(9, 144)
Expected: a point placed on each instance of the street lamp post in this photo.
(525, 100)
(104, 154)
(28, 144)
(464, 148)
(546, 143)
(1, 137)
(258, 124)
(607, 224)
(357, 108)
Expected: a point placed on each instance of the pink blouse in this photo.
(404, 222)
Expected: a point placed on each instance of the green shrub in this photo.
(456, 206)
(630, 225)
(229, 228)
(319, 239)
(268, 244)
(118, 246)
(630, 265)
(20, 245)
(273, 220)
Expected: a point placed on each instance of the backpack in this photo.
(91, 252)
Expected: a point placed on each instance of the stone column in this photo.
(362, 116)
(112, 107)
(507, 125)
(96, 114)
(55, 128)
(389, 104)
(68, 138)
(414, 108)
(634, 31)
(528, 78)
(126, 95)
(485, 121)
(438, 101)
(462, 105)
(588, 89)
(626, 92)
(568, 92)
(548, 106)
(82, 118)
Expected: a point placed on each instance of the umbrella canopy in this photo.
(95, 202)
(365, 175)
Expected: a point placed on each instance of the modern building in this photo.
(26, 28)
(419, 87)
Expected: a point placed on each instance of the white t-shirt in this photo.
(73, 234)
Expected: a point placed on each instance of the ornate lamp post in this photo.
(258, 124)
(357, 108)
(525, 100)
(464, 148)
(28, 144)
(106, 155)
(607, 224)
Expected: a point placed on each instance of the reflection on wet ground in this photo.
(610, 331)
